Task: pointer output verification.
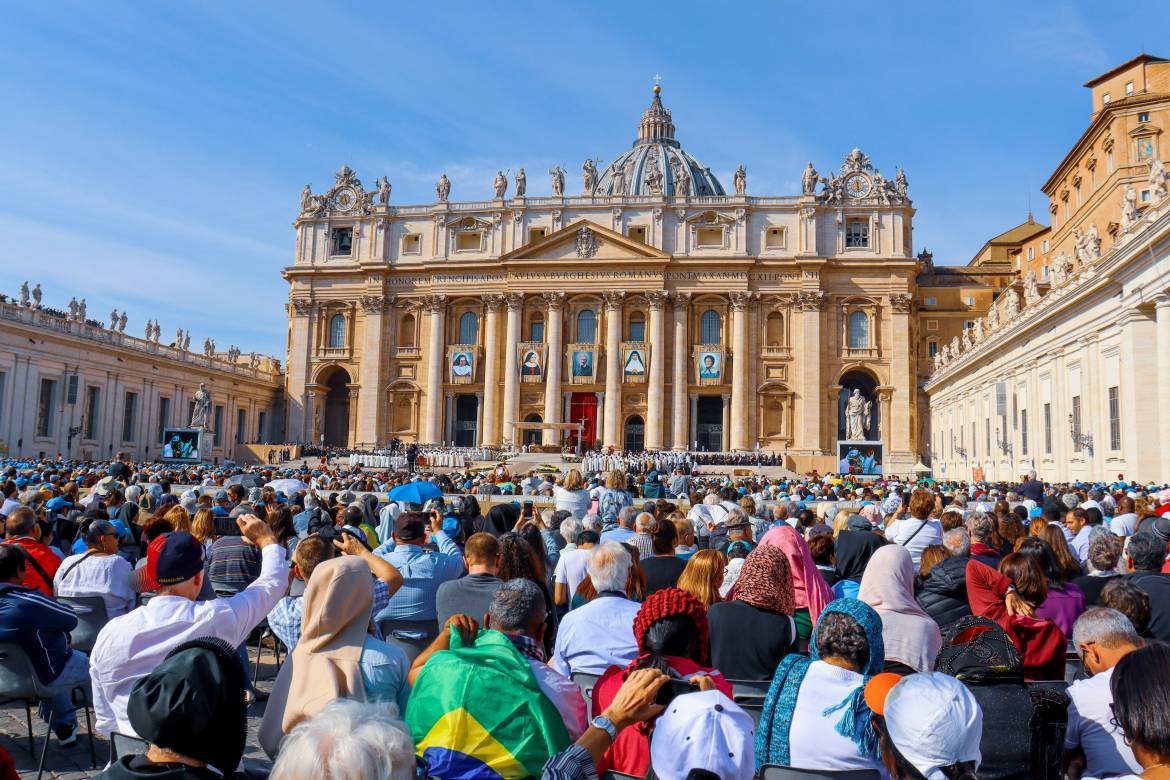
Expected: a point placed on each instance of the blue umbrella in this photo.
(417, 492)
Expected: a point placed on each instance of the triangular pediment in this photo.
(585, 240)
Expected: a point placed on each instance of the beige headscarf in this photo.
(326, 661)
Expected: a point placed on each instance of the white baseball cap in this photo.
(704, 730)
(933, 721)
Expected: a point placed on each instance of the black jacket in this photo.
(943, 594)
(1157, 587)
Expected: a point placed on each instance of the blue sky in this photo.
(152, 154)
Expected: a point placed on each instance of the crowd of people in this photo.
(648, 621)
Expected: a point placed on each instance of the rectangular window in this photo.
(260, 437)
(710, 237)
(774, 238)
(970, 300)
(637, 330)
(536, 331)
(974, 446)
(1047, 429)
(931, 301)
(932, 348)
(469, 241)
(1044, 246)
(856, 233)
(412, 244)
(342, 241)
(164, 416)
(1108, 160)
(1015, 412)
(1076, 423)
(1023, 431)
(1129, 87)
(535, 234)
(218, 438)
(1144, 116)
(45, 407)
(1105, 99)
(1114, 419)
(637, 232)
(93, 396)
(241, 425)
(129, 415)
(1031, 253)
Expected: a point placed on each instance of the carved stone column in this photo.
(432, 428)
(354, 391)
(552, 374)
(739, 370)
(369, 402)
(489, 429)
(657, 373)
(808, 433)
(613, 368)
(515, 303)
(679, 433)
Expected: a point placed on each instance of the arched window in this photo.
(468, 328)
(406, 331)
(586, 326)
(775, 329)
(637, 326)
(709, 327)
(337, 331)
(858, 330)
(536, 328)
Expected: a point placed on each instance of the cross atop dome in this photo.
(656, 125)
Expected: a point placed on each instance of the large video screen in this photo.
(181, 445)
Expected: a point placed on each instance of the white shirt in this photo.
(131, 646)
(1080, 543)
(565, 696)
(901, 531)
(596, 636)
(813, 740)
(1123, 525)
(575, 502)
(1090, 725)
(107, 576)
(9, 505)
(572, 567)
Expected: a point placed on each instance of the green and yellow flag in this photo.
(476, 711)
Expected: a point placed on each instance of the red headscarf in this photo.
(765, 581)
(671, 602)
(809, 586)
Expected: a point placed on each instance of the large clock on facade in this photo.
(344, 199)
(857, 185)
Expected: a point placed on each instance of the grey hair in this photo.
(958, 542)
(311, 500)
(711, 499)
(348, 739)
(734, 513)
(591, 522)
(570, 527)
(609, 565)
(1104, 626)
(1104, 549)
(1070, 500)
(643, 522)
(626, 516)
(980, 526)
(517, 604)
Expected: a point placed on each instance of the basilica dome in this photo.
(657, 164)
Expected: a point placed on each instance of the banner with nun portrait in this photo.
(461, 364)
(635, 362)
(530, 359)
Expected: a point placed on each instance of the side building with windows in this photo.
(87, 391)
(656, 307)
(1068, 372)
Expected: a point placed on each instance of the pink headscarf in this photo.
(909, 634)
(810, 589)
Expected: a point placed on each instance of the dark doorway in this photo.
(583, 408)
(532, 437)
(336, 418)
(466, 420)
(635, 437)
(709, 423)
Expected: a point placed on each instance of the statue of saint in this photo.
(521, 183)
(741, 180)
(857, 416)
(122, 323)
(36, 295)
(443, 188)
(306, 199)
(900, 184)
(384, 190)
(81, 310)
(682, 179)
(113, 319)
(1129, 208)
(589, 176)
(24, 294)
(201, 415)
(558, 181)
(808, 181)
(1159, 180)
(500, 184)
(619, 182)
(73, 308)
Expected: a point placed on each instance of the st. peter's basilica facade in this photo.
(653, 305)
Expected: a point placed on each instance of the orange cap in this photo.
(878, 688)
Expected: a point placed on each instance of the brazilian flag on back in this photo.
(476, 711)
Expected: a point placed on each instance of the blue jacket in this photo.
(39, 625)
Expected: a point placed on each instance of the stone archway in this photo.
(335, 420)
(867, 383)
(634, 437)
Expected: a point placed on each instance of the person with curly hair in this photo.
(673, 637)
(519, 559)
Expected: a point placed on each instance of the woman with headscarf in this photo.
(854, 547)
(501, 518)
(387, 516)
(815, 715)
(811, 592)
(335, 656)
(368, 503)
(753, 629)
(981, 655)
(471, 517)
(673, 637)
(910, 636)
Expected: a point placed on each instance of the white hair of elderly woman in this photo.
(609, 565)
(348, 740)
(570, 527)
(591, 522)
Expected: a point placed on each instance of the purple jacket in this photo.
(1063, 606)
